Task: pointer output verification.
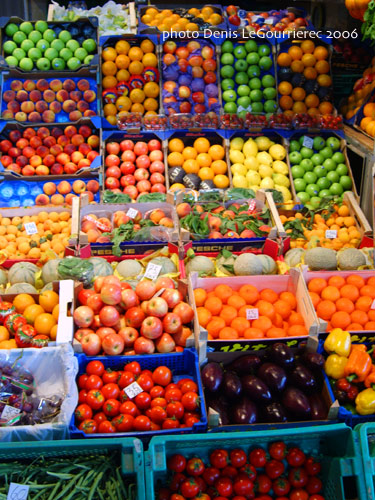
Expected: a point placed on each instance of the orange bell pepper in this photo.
(359, 364)
(370, 379)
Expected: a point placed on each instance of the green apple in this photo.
(26, 64)
(255, 84)
(268, 81)
(312, 190)
(252, 58)
(270, 106)
(240, 52)
(295, 157)
(333, 143)
(342, 169)
(294, 146)
(230, 107)
(227, 58)
(256, 95)
(19, 37)
(42, 45)
(51, 53)
(41, 26)
(304, 197)
(323, 183)
(89, 45)
(241, 65)
(307, 164)
(336, 189)
(26, 45)
(320, 171)
(330, 164)
(326, 152)
(324, 193)
(306, 152)
(88, 59)
(251, 46)
(225, 71)
(26, 27)
(58, 64)
(73, 63)
(9, 47)
(346, 182)
(244, 101)
(11, 61)
(241, 78)
(19, 53)
(34, 54)
(265, 63)
(253, 71)
(257, 107)
(317, 159)
(49, 35)
(57, 45)
(319, 143)
(338, 157)
(269, 93)
(35, 36)
(11, 29)
(65, 36)
(227, 47)
(229, 95)
(315, 201)
(243, 90)
(333, 176)
(310, 177)
(43, 64)
(66, 54)
(300, 184)
(264, 50)
(80, 53)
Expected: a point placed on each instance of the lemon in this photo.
(250, 148)
(236, 156)
(284, 191)
(265, 171)
(239, 181)
(265, 158)
(251, 163)
(263, 143)
(238, 169)
(236, 143)
(280, 167)
(267, 183)
(281, 180)
(277, 152)
(254, 188)
(253, 177)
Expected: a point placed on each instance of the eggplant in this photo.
(273, 375)
(245, 365)
(282, 355)
(220, 405)
(314, 361)
(244, 412)
(231, 385)
(274, 412)
(296, 403)
(319, 410)
(303, 378)
(255, 388)
(212, 376)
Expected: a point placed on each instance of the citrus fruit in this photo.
(109, 54)
(202, 145)
(122, 47)
(135, 54)
(136, 68)
(150, 59)
(151, 89)
(48, 300)
(176, 145)
(147, 46)
(109, 68)
(137, 95)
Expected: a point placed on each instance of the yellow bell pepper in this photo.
(365, 402)
(334, 366)
(338, 342)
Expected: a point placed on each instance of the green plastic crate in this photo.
(333, 445)
(131, 454)
(366, 443)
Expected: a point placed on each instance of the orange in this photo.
(109, 68)
(219, 167)
(350, 292)
(214, 305)
(370, 325)
(312, 101)
(204, 316)
(324, 80)
(263, 323)
(290, 298)
(110, 110)
(297, 331)
(265, 309)
(240, 325)
(216, 152)
(109, 54)
(122, 47)
(268, 295)
(330, 293)
(55, 312)
(322, 67)
(53, 332)
(221, 181)
(136, 68)
(175, 159)
(189, 153)
(200, 296)
(215, 325)
(109, 82)
(191, 166)
(8, 344)
(297, 66)
(137, 107)
(150, 60)
(299, 107)
(176, 145)
(206, 173)
(325, 309)
(359, 316)
(337, 281)
(228, 333)
(344, 304)
(275, 333)
(307, 47)
(285, 88)
(151, 89)
(283, 308)
(295, 52)
(286, 102)
(123, 103)
(122, 75)
(310, 73)
(228, 313)
(364, 303)
(296, 319)
(320, 53)
(284, 59)
(366, 290)
(135, 54)
(223, 292)
(32, 312)
(253, 333)
(315, 299)
(204, 160)
(308, 60)
(44, 323)
(147, 46)
(298, 94)
(340, 319)
(371, 314)
(317, 285)
(356, 280)
(371, 281)
(353, 327)
(249, 293)
(122, 61)
(4, 334)
(151, 104)
(202, 145)
(325, 108)
(48, 300)
(22, 301)
(278, 320)
(236, 301)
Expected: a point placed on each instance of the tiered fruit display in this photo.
(361, 91)
(44, 151)
(247, 78)
(53, 234)
(114, 319)
(136, 167)
(222, 313)
(344, 302)
(318, 171)
(199, 166)
(182, 19)
(29, 323)
(129, 79)
(189, 72)
(48, 46)
(305, 82)
(258, 163)
(367, 123)
(273, 20)
(49, 101)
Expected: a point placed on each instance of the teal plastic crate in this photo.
(366, 442)
(333, 445)
(131, 450)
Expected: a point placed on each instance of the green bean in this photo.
(94, 486)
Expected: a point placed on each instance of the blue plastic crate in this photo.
(183, 364)
(333, 445)
(131, 450)
(365, 434)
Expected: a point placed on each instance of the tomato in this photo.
(157, 392)
(219, 459)
(274, 469)
(316, 497)
(159, 402)
(95, 368)
(170, 423)
(295, 457)
(229, 471)
(189, 488)
(146, 382)
(164, 494)
(100, 417)
(157, 414)
(239, 497)
(314, 485)
(177, 463)
(203, 496)
(93, 382)
(82, 396)
(298, 477)
(299, 494)
(277, 450)
(88, 426)
(176, 481)
(264, 497)
(191, 421)
(106, 427)
(133, 367)
(258, 458)
(175, 496)
(224, 486)
(250, 471)
(111, 391)
(210, 475)
(195, 467)
(238, 458)
(243, 486)
(111, 407)
(202, 485)
(312, 467)
(162, 376)
(110, 377)
(125, 424)
(83, 412)
(173, 395)
(281, 486)
(188, 386)
(263, 484)
(142, 423)
(189, 414)
(125, 379)
(82, 379)
(143, 401)
(95, 399)
(175, 410)
(190, 400)
(171, 386)
(129, 408)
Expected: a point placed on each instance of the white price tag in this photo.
(17, 491)
(252, 313)
(331, 234)
(373, 304)
(9, 412)
(137, 445)
(133, 390)
(255, 19)
(132, 212)
(269, 20)
(152, 271)
(308, 142)
(30, 228)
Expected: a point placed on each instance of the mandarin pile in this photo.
(130, 73)
(305, 83)
(222, 312)
(367, 123)
(344, 302)
(167, 20)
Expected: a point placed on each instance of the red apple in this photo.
(113, 344)
(127, 167)
(134, 317)
(129, 335)
(185, 312)
(169, 47)
(126, 145)
(143, 161)
(83, 316)
(144, 186)
(103, 331)
(151, 328)
(141, 148)
(113, 172)
(129, 298)
(172, 297)
(113, 148)
(172, 323)
(144, 346)
(91, 344)
(109, 316)
(157, 307)
(141, 174)
(163, 282)
(112, 161)
(154, 145)
(165, 343)
(128, 155)
(207, 52)
(157, 166)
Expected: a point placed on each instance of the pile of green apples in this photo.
(35, 45)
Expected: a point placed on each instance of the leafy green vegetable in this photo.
(76, 269)
(111, 197)
(240, 194)
(151, 197)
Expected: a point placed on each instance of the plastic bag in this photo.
(73, 268)
(156, 233)
(54, 370)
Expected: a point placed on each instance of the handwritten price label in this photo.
(132, 213)
(9, 412)
(17, 491)
(331, 234)
(308, 142)
(133, 390)
(252, 313)
(30, 228)
(152, 271)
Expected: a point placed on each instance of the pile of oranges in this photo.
(167, 20)
(368, 121)
(301, 94)
(361, 90)
(125, 63)
(42, 315)
(344, 302)
(202, 158)
(222, 312)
